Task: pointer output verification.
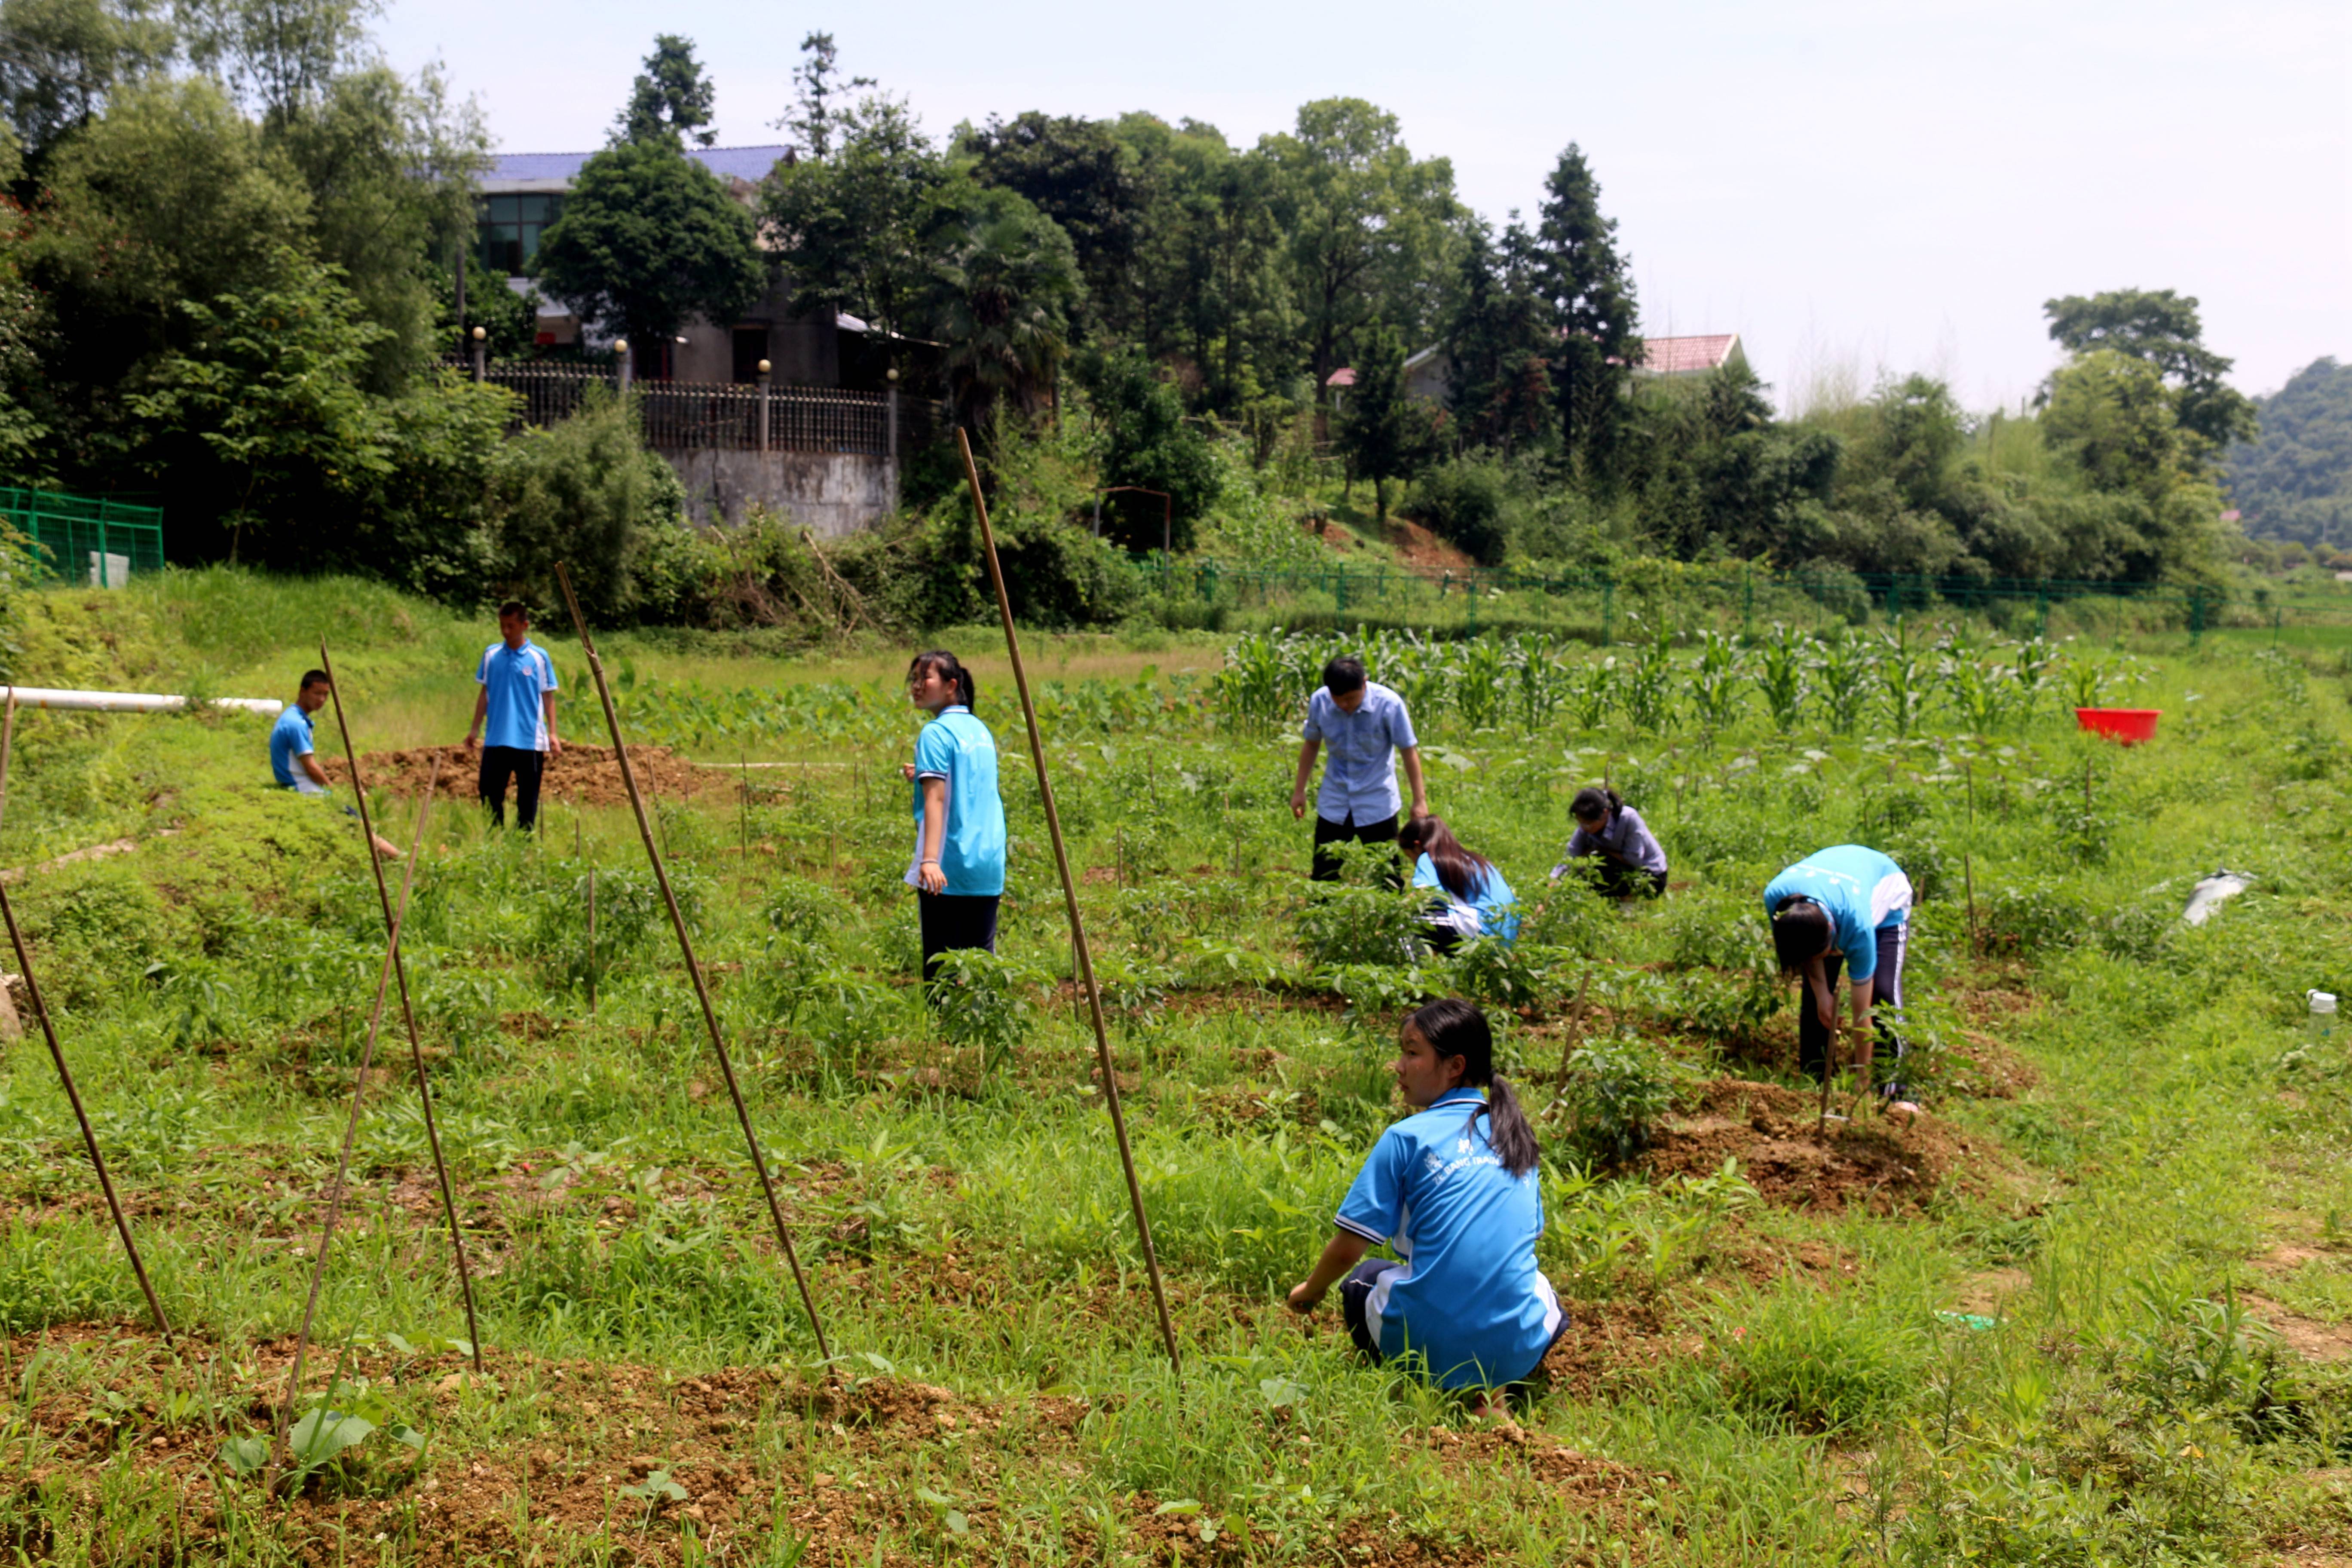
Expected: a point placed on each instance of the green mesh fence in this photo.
(103, 544)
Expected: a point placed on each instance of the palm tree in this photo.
(1008, 282)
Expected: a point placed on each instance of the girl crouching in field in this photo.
(1607, 831)
(1452, 1189)
(1472, 898)
(959, 870)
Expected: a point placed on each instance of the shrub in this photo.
(1466, 502)
(1617, 1090)
(587, 493)
(1814, 1364)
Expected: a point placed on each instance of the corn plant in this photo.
(1844, 669)
(1902, 677)
(1781, 672)
(1251, 689)
(1590, 689)
(1647, 688)
(1534, 659)
(1715, 681)
(1482, 682)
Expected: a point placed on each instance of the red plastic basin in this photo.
(2129, 725)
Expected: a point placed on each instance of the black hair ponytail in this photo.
(941, 662)
(1801, 933)
(1595, 800)
(1455, 1028)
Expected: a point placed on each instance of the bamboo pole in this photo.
(407, 1011)
(358, 1097)
(693, 966)
(1070, 902)
(73, 1096)
(57, 1055)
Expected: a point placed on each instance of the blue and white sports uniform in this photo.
(1469, 1296)
(289, 743)
(958, 748)
(1494, 912)
(517, 680)
(1862, 891)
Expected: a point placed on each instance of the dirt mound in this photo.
(587, 775)
(1771, 1132)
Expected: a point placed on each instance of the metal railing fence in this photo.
(694, 415)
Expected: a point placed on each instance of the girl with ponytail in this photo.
(959, 870)
(1628, 863)
(1452, 1189)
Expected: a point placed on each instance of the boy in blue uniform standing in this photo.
(1850, 907)
(1454, 1190)
(959, 870)
(517, 700)
(1362, 722)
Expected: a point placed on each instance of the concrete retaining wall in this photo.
(829, 493)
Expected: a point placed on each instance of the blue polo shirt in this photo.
(1470, 1296)
(1864, 892)
(957, 747)
(516, 678)
(1360, 771)
(1494, 911)
(290, 741)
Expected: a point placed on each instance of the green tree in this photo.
(1385, 433)
(2294, 479)
(1147, 442)
(2162, 329)
(585, 492)
(671, 101)
(1007, 282)
(1587, 287)
(853, 229)
(1079, 173)
(1498, 344)
(649, 239)
(2111, 414)
(812, 117)
(279, 56)
(170, 196)
(268, 392)
(1371, 227)
(1213, 287)
(61, 61)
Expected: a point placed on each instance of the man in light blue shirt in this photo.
(517, 700)
(1362, 722)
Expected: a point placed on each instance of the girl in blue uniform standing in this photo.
(1845, 907)
(958, 873)
(1472, 899)
(1452, 1189)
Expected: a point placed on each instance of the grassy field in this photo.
(2095, 1308)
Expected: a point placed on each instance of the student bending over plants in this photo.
(1632, 863)
(1453, 1189)
(958, 874)
(1472, 899)
(1850, 907)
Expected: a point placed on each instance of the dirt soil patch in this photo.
(2307, 1337)
(587, 775)
(1422, 550)
(1771, 1132)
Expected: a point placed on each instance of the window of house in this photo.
(750, 348)
(510, 229)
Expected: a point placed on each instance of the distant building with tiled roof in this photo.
(1667, 357)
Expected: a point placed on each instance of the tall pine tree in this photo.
(1502, 392)
(1586, 286)
(1385, 433)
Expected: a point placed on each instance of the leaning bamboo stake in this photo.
(407, 1011)
(693, 966)
(7, 738)
(359, 1096)
(73, 1096)
(1070, 902)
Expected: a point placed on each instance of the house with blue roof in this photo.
(522, 195)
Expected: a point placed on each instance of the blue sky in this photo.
(1854, 187)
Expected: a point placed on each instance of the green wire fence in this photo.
(101, 543)
(1730, 597)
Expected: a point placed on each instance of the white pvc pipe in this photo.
(127, 701)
